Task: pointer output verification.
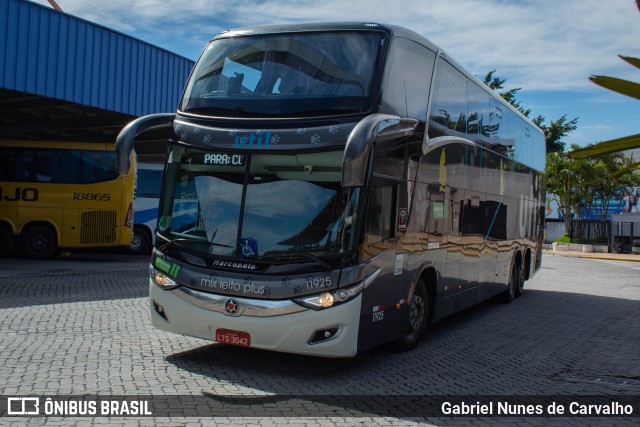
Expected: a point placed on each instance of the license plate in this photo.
(225, 336)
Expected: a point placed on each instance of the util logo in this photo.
(254, 139)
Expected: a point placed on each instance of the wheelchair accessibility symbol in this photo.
(248, 247)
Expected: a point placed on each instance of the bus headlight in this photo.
(336, 297)
(330, 298)
(161, 279)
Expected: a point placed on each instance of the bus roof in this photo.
(392, 30)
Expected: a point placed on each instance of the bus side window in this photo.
(8, 164)
(380, 221)
(44, 165)
(25, 166)
(407, 79)
(69, 166)
(149, 183)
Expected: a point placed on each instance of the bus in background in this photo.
(145, 204)
(63, 195)
(334, 187)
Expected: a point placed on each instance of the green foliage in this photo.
(563, 239)
(578, 183)
(555, 131)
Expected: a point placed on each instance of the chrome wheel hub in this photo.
(416, 312)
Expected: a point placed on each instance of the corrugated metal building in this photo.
(62, 77)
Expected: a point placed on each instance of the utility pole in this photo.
(55, 5)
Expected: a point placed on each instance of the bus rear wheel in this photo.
(39, 242)
(7, 241)
(515, 281)
(520, 282)
(418, 319)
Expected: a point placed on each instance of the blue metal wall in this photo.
(56, 55)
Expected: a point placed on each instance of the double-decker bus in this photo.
(70, 195)
(332, 187)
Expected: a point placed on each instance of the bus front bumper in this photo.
(272, 325)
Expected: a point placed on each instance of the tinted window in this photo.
(99, 166)
(8, 164)
(58, 166)
(149, 183)
(449, 106)
(407, 79)
(285, 75)
(381, 210)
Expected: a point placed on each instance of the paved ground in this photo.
(80, 326)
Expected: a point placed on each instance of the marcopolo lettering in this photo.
(234, 264)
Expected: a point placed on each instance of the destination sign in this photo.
(220, 159)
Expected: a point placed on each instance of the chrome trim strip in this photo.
(369, 279)
(248, 307)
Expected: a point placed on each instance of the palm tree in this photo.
(623, 87)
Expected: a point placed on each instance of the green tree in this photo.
(588, 183)
(562, 185)
(555, 132)
(610, 173)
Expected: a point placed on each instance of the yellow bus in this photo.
(63, 195)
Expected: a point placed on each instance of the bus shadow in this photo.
(544, 343)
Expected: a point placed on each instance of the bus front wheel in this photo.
(7, 241)
(141, 242)
(418, 319)
(39, 242)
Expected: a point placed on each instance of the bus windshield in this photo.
(301, 75)
(257, 205)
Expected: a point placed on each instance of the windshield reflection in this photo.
(270, 206)
(315, 73)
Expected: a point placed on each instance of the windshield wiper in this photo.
(170, 243)
(315, 258)
(297, 255)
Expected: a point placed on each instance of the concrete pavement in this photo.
(595, 255)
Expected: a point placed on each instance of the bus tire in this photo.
(520, 282)
(514, 282)
(418, 321)
(141, 242)
(39, 242)
(7, 241)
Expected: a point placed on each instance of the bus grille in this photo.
(98, 227)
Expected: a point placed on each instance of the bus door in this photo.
(386, 213)
(381, 320)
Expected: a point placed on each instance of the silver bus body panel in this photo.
(288, 333)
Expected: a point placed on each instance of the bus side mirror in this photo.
(376, 127)
(124, 141)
